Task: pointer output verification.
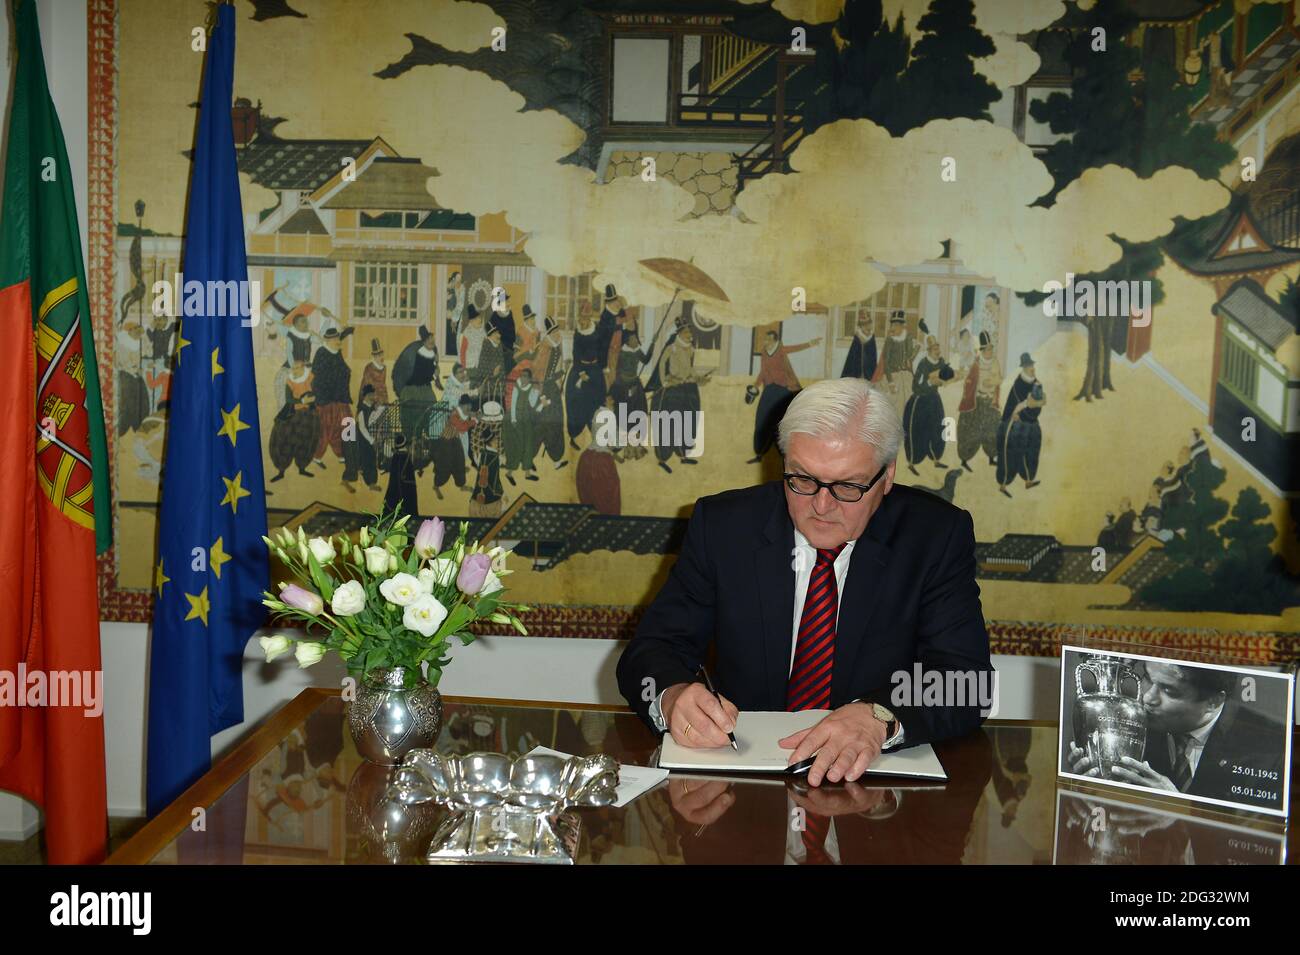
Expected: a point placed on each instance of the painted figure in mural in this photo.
(548, 373)
(520, 427)
(375, 374)
(988, 316)
(455, 312)
(779, 384)
(402, 490)
(451, 446)
(526, 335)
(628, 392)
(300, 342)
(503, 321)
(332, 383)
(490, 373)
(677, 404)
(965, 353)
(585, 389)
(599, 486)
(132, 392)
(978, 415)
(1127, 529)
(457, 384)
(1170, 487)
(1020, 436)
(296, 430)
(471, 341)
(923, 413)
(862, 360)
(900, 354)
(158, 361)
(485, 453)
(360, 449)
(415, 375)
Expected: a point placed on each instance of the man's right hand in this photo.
(695, 718)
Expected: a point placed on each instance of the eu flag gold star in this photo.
(234, 491)
(199, 606)
(216, 366)
(231, 425)
(181, 341)
(216, 557)
(160, 578)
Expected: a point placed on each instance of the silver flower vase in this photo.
(388, 720)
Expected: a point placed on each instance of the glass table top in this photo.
(309, 798)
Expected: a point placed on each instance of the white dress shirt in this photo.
(1195, 745)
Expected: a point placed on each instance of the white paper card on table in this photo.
(633, 781)
(757, 733)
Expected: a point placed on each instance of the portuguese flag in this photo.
(54, 513)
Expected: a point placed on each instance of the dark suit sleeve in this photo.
(950, 638)
(676, 629)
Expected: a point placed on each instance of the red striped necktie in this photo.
(810, 677)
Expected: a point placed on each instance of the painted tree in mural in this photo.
(941, 81)
(1229, 568)
(863, 69)
(873, 72)
(1133, 113)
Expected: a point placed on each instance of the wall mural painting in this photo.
(554, 268)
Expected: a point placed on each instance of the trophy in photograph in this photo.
(1109, 722)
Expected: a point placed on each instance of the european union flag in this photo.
(212, 565)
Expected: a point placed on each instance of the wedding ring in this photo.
(687, 731)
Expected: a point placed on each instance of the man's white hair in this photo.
(846, 408)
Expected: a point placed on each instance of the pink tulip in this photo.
(302, 599)
(473, 571)
(428, 539)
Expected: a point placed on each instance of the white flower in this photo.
(440, 572)
(498, 555)
(392, 563)
(276, 646)
(322, 550)
(491, 583)
(376, 560)
(402, 590)
(349, 599)
(425, 615)
(309, 653)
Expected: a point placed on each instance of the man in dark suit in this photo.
(760, 578)
(1203, 739)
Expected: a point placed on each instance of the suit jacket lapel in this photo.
(774, 577)
(860, 601)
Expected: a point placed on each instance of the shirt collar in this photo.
(801, 541)
(1199, 736)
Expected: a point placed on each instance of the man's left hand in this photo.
(846, 743)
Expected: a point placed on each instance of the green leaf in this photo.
(321, 579)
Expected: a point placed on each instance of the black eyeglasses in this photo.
(843, 491)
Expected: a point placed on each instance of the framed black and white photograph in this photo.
(1210, 733)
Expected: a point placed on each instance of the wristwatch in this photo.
(886, 717)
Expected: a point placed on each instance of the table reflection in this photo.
(1096, 830)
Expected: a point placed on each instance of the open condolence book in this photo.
(757, 733)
